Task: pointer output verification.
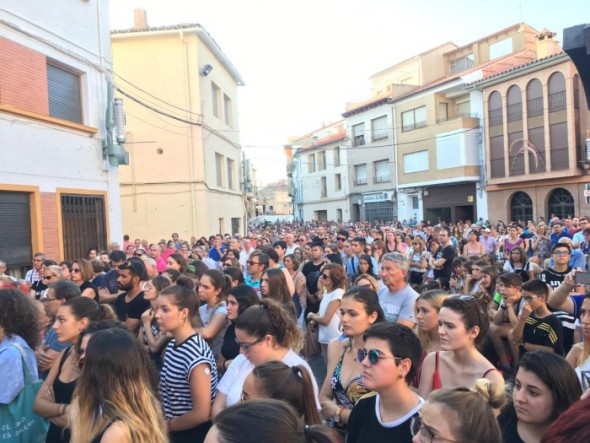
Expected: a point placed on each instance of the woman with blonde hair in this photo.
(366, 280)
(461, 414)
(114, 399)
(418, 256)
(579, 355)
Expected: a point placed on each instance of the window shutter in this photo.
(64, 94)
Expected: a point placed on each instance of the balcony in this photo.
(557, 101)
(534, 107)
(361, 181)
(412, 126)
(381, 179)
(455, 117)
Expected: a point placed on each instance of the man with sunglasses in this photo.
(257, 264)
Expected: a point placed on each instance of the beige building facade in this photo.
(185, 169)
(537, 124)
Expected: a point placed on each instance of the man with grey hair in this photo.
(397, 298)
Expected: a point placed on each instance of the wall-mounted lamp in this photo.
(206, 70)
(425, 193)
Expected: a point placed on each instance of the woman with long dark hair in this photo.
(114, 399)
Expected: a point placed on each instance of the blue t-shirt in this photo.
(11, 367)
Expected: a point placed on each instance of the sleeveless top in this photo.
(98, 438)
(63, 393)
(347, 396)
(436, 383)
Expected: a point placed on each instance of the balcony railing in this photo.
(495, 116)
(361, 181)
(381, 179)
(534, 107)
(456, 116)
(413, 126)
(514, 112)
(557, 101)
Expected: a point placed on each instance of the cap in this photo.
(487, 230)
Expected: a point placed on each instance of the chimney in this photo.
(140, 18)
(546, 44)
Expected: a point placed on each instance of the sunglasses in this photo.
(75, 270)
(373, 355)
(247, 346)
(341, 239)
(324, 276)
(47, 277)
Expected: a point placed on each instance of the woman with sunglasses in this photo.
(390, 359)
(332, 279)
(460, 415)
(463, 324)
(418, 256)
(82, 272)
(359, 310)
(265, 332)
(545, 387)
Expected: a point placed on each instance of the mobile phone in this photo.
(582, 278)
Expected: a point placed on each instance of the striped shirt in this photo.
(179, 361)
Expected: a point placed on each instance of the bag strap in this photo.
(27, 374)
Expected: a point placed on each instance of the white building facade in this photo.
(57, 193)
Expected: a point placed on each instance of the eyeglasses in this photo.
(47, 299)
(426, 434)
(561, 253)
(528, 298)
(247, 346)
(252, 263)
(75, 269)
(299, 240)
(374, 356)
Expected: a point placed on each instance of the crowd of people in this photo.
(466, 332)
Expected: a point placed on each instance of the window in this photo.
(311, 163)
(514, 104)
(227, 110)
(413, 119)
(84, 223)
(516, 150)
(500, 48)
(235, 225)
(559, 147)
(556, 92)
(321, 160)
(416, 162)
(338, 182)
(379, 128)
(323, 188)
(561, 203)
(521, 207)
(497, 166)
(339, 215)
(360, 174)
(230, 173)
(536, 149)
(415, 202)
(382, 171)
(63, 90)
(462, 64)
(443, 112)
(337, 156)
(215, 93)
(358, 135)
(464, 109)
(219, 168)
(534, 103)
(495, 109)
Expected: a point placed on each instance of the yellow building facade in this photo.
(185, 169)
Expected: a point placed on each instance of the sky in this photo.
(301, 61)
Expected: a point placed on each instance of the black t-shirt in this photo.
(87, 285)
(38, 287)
(546, 331)
(555, 279)
(364, 426)
(312, 275)
(509, 426)
(448, 253)
(133, 309)
(230, 349)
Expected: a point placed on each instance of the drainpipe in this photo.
(190, 135)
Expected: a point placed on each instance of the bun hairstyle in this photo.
(185, 281)
(219, 281)
(271, 318)
(473, 419)
(183, 296)
(291, 384)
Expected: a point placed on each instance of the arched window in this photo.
(495, 108)
(556, 92)
(561, 203)
(521, 207)
(534, 98)
(514, 102)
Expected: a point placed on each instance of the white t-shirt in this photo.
(330, 331)
(233, 381)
